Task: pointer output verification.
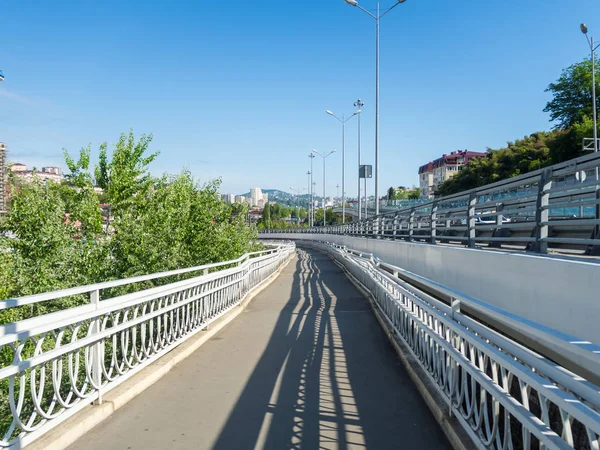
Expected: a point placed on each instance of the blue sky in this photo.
(239, 89)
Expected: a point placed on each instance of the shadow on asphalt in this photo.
(328, 377)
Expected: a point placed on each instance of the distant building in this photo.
(54, 170)
(20, 170)
(241, 199)
(254, 216)
(18, 167)
(255, 195)
(434, 173)
(265, 198)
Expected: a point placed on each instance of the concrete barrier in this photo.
(563, 294)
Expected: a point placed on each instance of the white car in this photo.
(490, 219)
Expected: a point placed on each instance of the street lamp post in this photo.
(359, 104)
(314, 188)
(324, 158)
(309, 191)
(343, 122)
(593, 48)
(377, 18)
(312, 191)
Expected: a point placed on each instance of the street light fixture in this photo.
(324, 196)
(377, 18)
(343, 122)
(584, 30)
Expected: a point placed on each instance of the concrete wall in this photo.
(559, 293)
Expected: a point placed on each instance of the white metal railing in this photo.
(551, 207)
(504, 394)
(54, 365)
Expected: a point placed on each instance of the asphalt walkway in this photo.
(305, 366)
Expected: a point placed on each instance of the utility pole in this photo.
(359, 104)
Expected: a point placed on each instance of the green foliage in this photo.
(168, 223)
(267, 216)
(178, 224)
(403, 193)
(525, 155)
(572, 95)
(39, 250)
(571, 108)
(126, 175)
(80, 198)
(391, 193)
(332, 218)
(522, 156)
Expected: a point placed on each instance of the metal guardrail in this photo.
(504, 395)
(552, 207)
(54, 365)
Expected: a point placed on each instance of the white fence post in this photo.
(97, 359)
(542, 213)
(471, 232)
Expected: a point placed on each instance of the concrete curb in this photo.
(79, 424)
(457, 436)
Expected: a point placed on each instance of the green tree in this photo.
(391, 193)
(267, 215)
(80, 198)
(572, 95)
(521, 156)
(414, 193)
(42, 237)
(126, 175)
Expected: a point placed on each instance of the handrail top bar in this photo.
(533, 177)
(53, 295)
(482, 306)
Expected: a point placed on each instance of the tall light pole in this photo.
(584, 30)
(343, 122)
(377, 18)
(359, 104)
(314, 188)
(309, 191)
(593, 48)
(312, 191)
(324, 158)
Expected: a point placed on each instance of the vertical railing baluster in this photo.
(471, 232)
(411, 224)
(433, 223)
(542, 212)
(97, 348)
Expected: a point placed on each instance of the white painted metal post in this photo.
(97, 348)
(433, 222)
(471, 233)
(542, 213)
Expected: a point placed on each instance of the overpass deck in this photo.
(306, 365)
